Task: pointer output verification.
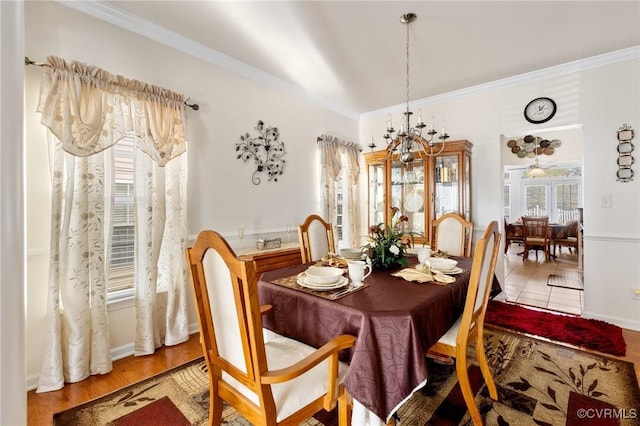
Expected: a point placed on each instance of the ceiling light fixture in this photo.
(409, 139)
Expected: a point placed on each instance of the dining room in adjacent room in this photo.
(543, 178)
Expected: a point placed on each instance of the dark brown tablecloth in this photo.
(394, 321)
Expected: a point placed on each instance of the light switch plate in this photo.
(606, 201)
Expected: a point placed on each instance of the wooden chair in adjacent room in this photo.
(511, 235)
(269, 379)
(316, 238)
(536, 236)
(469, 328)
(452, 234)
(571, 238)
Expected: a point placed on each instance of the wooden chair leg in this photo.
(345, 408)
(486, 370)
(467, 392)
(215, 408)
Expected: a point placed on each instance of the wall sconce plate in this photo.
(625, 160)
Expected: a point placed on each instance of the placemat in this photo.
(291, 282)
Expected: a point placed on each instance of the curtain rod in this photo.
(345, 143)
(28, 61)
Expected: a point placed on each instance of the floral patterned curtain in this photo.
(339, 160)
(88, 111)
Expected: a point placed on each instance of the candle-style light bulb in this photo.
(419, 116)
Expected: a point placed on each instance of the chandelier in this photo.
(535, 169)
(407, 140)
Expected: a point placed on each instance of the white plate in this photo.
(343, 281)
(452, 271)
(413, 202)
(308, 280)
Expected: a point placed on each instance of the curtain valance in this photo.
(89, 109)
(331, 149)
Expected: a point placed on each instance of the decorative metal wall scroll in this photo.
(265, 150)
(625, 148)
(530, 146)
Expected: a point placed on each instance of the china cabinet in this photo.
(423, 190)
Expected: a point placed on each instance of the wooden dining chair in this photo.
(269, 379)
(469, 328)
(452, 234)
(536, 235)
(316, 238)
(570, 237)
(511, 235)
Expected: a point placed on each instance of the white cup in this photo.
(356, 271)
(424, 253)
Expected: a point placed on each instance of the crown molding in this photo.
(109, 13)
(554, 71)
(106, 12)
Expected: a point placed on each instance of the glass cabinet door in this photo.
(408, 194)
(446, 186)
(376, 193)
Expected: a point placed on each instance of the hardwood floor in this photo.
(42, 406)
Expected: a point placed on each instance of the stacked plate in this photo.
(322, 278)
(446, 266)
(354, 253)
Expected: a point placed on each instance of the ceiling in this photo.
(352, 53)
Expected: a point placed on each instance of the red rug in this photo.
(582, 332)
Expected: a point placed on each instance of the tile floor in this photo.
(526, 282)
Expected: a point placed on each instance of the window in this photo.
(121, 264)
(558, 196)
(535, 200)
(507, 197)
(340, 214)
(567, 196)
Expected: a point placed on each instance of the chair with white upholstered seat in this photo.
(316, 238)
(452, 234)
(469, 328)
(268, 378)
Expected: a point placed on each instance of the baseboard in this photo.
(116, 354)
(620, 322)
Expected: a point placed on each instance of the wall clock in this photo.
(540, 110)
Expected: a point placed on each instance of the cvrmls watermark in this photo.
(607, 413)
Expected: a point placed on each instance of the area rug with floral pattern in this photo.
(539, 383)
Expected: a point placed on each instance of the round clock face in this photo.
(540, 110)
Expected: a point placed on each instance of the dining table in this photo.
(395, 321)
(555, 231)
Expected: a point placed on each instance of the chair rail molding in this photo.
(613, 238)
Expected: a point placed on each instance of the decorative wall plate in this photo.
(626, 160)
(625, 174)
(625, 147)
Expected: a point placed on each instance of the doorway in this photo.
(554, 284)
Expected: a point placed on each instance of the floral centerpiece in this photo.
(388, 243)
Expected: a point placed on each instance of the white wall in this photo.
(221, 195)
(13, 397)
(599, 98)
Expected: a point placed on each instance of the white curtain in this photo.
(340, 161)
(88, 111)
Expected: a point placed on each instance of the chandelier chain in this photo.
(407, 62)
(407, 141)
